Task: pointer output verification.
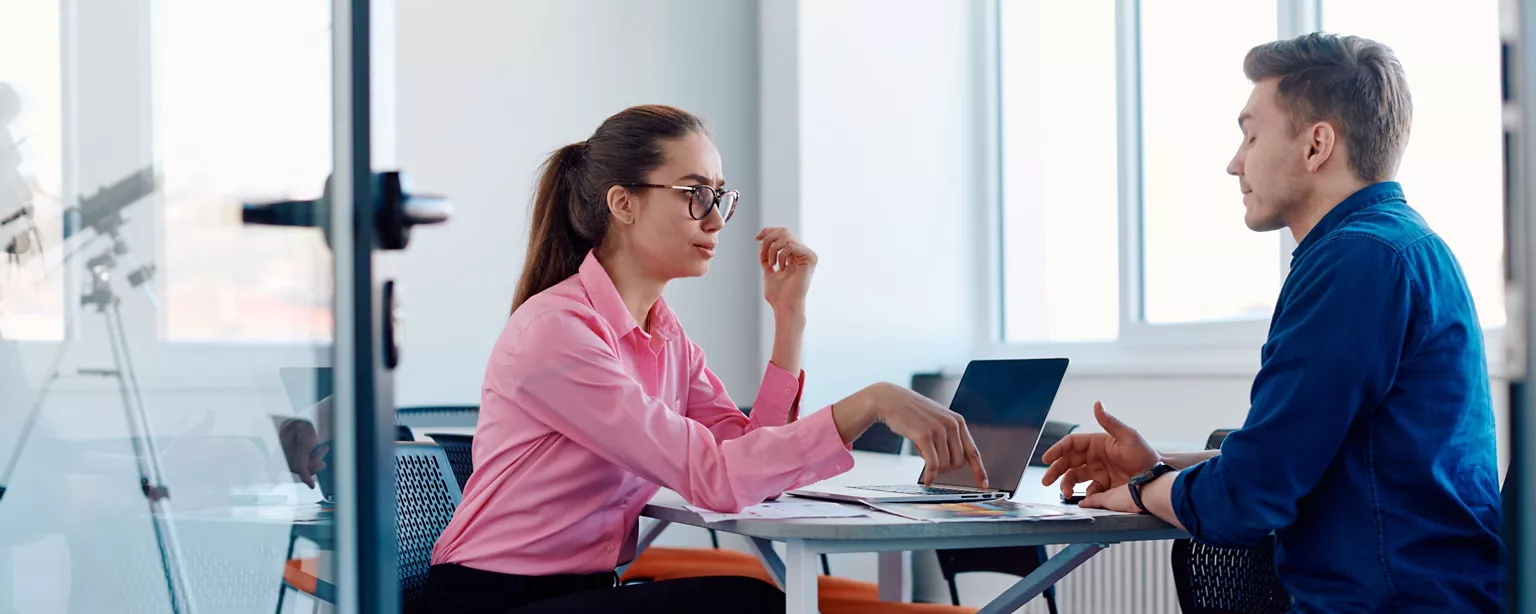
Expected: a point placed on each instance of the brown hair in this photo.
(1355, 83)
(570, 207)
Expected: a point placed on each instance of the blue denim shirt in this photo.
(1369, 444)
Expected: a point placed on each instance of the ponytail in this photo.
(570, 207)
(555, 248)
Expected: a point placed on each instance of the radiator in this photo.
(1129, 578)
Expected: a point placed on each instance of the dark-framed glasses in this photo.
(702, 198)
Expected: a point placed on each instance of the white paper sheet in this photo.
(782, 510)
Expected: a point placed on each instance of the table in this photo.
(894, 538)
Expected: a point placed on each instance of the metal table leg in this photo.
(1050, 572)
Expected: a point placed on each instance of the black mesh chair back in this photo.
(426, 494)
(879, 438)
(929, 385)
(1217, 436)
(1014, 560)
(1215, 580)
(1212, 580)
(429, 416)
(1053, 432)
(457, 447)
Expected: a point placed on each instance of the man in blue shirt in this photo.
(1369, 445)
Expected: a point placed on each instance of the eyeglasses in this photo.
(702, 198)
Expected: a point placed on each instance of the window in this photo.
(1190, 271)
(1060, 234)
(227, 71)
(1453, 171)
(1199, 262)
(31, 168)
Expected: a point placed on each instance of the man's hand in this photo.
(1117, 499)
(1108, 459)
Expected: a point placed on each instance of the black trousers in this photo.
(462, 590)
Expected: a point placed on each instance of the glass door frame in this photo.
(367, 569)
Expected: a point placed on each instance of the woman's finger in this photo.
(925, 449)
(940, 446)
(776, 252)
(954, 426)
(973, 458)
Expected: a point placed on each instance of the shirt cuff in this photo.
(822, 448)
(778, 397)
(1179, 496)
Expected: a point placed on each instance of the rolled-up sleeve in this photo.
(1333, 350)
(575, 384)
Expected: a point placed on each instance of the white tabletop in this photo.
(876, 468)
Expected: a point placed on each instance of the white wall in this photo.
(487, 89)
(885, 183)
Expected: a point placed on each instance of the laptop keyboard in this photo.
(918, 489)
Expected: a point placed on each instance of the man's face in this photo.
(1270, 165)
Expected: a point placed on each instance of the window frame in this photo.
(1219, 347)
(163, 364)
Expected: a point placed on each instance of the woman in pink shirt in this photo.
(595, 398)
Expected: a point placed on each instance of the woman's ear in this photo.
(621, 203)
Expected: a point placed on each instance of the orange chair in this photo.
(837, 595)
(303, 575)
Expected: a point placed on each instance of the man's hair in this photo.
(1356, 84)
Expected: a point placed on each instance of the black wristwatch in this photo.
(1146, 477)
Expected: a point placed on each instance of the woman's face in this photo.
(662, 234)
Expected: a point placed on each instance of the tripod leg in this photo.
(151, 476)
(31, 420)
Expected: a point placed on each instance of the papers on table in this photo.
(997, 510)
(782, 510)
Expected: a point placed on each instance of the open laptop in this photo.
(1005, 403)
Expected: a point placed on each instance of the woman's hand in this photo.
(939, 435)
(303, 450)
(787, 268)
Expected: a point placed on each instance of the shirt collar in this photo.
(605, 299)
(1365, 197)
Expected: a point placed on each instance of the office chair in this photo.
(1054, 431)
(880, 438)
(1013, 560)
(458, 448)
(1213, 580)
(835, 595)
(1016, 560)
(426, 493)
(420, 416)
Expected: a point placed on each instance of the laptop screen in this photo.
(1005, 404)
(306, 386)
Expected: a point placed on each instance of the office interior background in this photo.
(981, 179)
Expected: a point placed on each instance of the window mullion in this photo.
(1128, 94)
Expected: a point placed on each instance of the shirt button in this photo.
(789, 392)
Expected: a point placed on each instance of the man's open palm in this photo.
(1107, 459)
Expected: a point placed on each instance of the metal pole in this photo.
(1517, 27)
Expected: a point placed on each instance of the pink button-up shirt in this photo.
(584, 416)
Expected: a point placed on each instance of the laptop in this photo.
(1005, 404)
(306, 386)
